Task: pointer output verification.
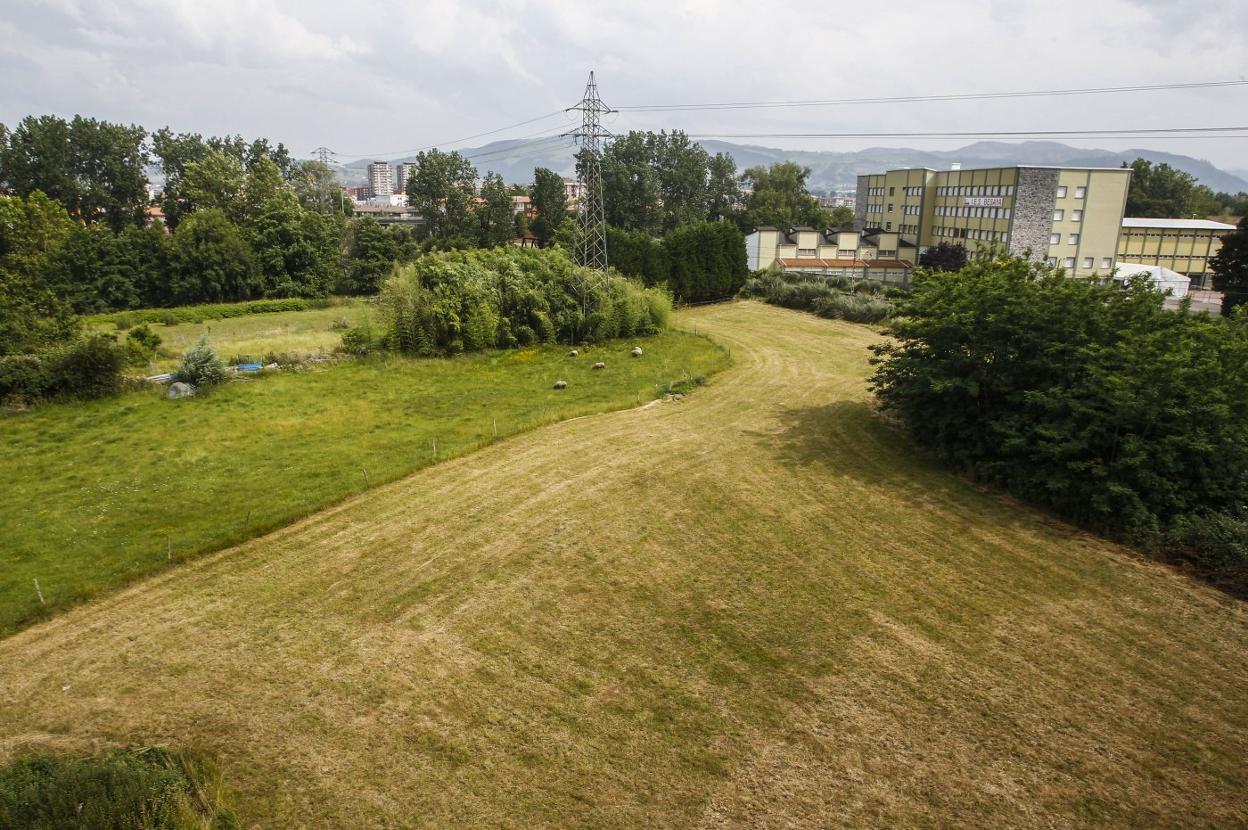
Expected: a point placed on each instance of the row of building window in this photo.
(875, 191)
(1088, 262)
(910, 210)
(1080, 192)
(1168, 235)
(975, 212)
(1056, 239)
(875, 208)
(976, 190)
(971, 233)
(1075, 215)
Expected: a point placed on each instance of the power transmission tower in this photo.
(592, 249)
(323, 155)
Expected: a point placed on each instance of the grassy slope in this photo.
(256, 335)
(98, 493)
(752, 608)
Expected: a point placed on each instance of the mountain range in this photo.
(514, 160)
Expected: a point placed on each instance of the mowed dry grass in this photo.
(756, 607)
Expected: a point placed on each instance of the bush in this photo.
(821, 296)
(200, 367)
(359, 341)
(1094, 401)
(457, 301)
(141, 789)
(1217, 541)
(87, 368)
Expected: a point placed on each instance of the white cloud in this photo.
(387, 75)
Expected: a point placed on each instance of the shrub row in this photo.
(699, 262)
(87, 368)
(203, 313)
(833, 297)
(1091, 400)
(457, 301)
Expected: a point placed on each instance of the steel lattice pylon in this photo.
(592, 247)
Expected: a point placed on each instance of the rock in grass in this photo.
(600, 365)
(636, 352)
(180, 390)
(561, 384)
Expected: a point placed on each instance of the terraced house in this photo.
(875, 254)
(1069, 216)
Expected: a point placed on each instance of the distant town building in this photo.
(834, 252)
(1181, 245)
(402, 172)
(389, 214)
(1068, 216)
(523, 204)
(380, 179)
(360, 193)
(837, 200)
(573, 190)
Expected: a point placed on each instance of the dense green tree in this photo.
(94, 168)
(441, 191)
(1095, 401)
(550, 201)
(1159, 190)
(723, 190)
(637, 254)
(318, 188)
(778, 197)
(1230, 269)
(90, 271)
(223, 166)
(32, 316)
(211, 262)
(631, 186)
(682, 169)
(705, 261)
(146, 252)
(947, 256)
(215, 181)
(838, 217)
(496, 225)
(296, 250)
(372, 251)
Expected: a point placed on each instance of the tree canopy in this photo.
(1230, 268)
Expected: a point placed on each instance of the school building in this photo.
(1182, 245)
(1068, 216)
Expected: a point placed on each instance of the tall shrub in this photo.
(1092, 400)
(454, 301)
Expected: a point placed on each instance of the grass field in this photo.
(757, 607)
(98, 493)
(256, 335)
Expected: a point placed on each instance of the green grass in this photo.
(300, 332)
(99, 493)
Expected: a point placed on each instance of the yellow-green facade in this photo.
(1185, 246)
(1070, 217)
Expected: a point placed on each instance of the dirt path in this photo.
(751, 608)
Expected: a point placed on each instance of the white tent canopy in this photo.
(1162, 279)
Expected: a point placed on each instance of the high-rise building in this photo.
(380, 181)
(1070, 217)
(402, 173)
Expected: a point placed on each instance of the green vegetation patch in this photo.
(133, 789)
(101, 492)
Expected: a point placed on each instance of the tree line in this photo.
(1161, 191)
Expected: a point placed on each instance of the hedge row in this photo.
(699, 262)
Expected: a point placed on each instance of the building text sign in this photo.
(984, 201)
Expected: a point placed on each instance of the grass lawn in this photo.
(99, 493)
(756, 607)
(255, 335)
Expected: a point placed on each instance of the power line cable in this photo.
(410, 150)
(906, 99)
(1177, 132)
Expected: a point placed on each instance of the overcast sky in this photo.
(374, 79)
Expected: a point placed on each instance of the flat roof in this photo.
(998, 167)
(1186, 224)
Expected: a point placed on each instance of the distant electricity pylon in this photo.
(323, 155)
(592, 249)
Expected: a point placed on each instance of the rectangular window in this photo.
(892, 191)
(1005, 237)
(1080, 192)
(1061, 192)
(1009, 190)
(1073, 239)
(1052, 261)
(1058, 215)
(1070, 262)
(890, 207)
(1055, 239)
(1076, 216)
(1087, 262)
(1107, 262)
(805, 252)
